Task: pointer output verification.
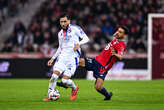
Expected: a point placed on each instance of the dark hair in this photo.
(126, 30)
(64, 15)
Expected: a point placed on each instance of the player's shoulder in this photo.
(74, 26)
(122, 43)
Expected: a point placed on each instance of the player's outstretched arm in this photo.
(118, 56)
(84, 40)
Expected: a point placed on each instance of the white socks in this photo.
(52, 83)
(69, 83)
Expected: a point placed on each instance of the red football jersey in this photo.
(105, 58)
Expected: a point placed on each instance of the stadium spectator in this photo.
(6, 47)
(28, 48)
(36, 48)
(23, 2)
(20, 41)
(140, 47)
(19, 26)
(13, 8)
(29, 39)
(12, 39)
(132, 45)
(3, 5)
(38, 38)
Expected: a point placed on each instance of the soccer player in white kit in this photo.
(67, 55)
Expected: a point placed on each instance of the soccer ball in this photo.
(54, 95)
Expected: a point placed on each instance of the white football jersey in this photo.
(67, 41)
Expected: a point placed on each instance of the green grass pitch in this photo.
(27, 94)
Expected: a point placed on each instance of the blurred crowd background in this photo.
(98, 18)
(10, 8)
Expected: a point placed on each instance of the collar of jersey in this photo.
(66, 31)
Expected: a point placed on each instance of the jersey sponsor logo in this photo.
(108, 46)
(67, 38)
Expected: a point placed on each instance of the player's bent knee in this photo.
(98, 87)
(55, 76)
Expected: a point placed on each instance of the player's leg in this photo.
(58, 68)
(70, 70)
(70, 83)
(100, 76)
(53, 80)
(99, 87)
(67, 72)
(52, 83)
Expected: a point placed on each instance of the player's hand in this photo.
(50, 62)
(77, 46)
(115, 35)
(113, 52)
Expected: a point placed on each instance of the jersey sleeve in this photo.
(82, 36)
(58, 50)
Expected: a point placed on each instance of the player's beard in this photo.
(120, 37)
(65, 27)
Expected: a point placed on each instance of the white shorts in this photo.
(66, 66)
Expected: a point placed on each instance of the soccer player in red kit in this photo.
(104, 61)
